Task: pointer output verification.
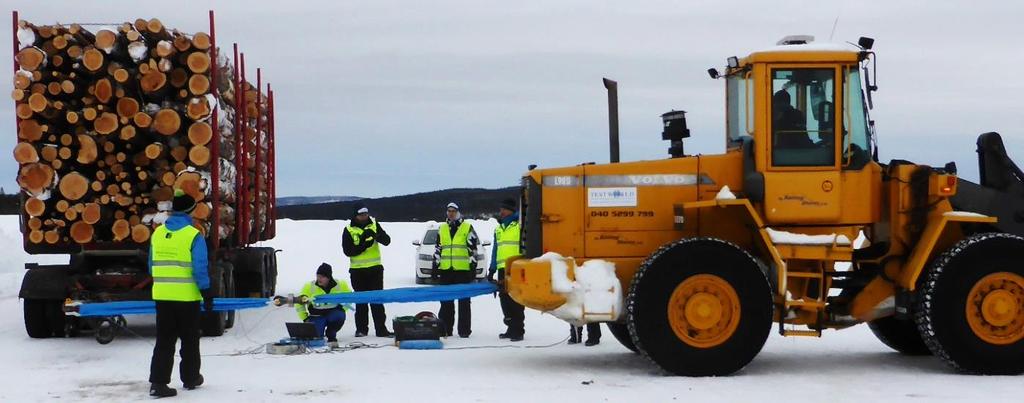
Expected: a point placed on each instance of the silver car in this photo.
(425, 247)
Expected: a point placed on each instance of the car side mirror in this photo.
(486, 243)
(416, 242)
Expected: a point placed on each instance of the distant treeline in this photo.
(474, 203)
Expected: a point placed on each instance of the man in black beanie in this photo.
(179, 263)
(361, 243)
(328, 318)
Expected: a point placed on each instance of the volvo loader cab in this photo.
(813, 232)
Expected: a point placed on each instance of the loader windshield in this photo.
(803, 117)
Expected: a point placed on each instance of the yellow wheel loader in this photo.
(797, 225)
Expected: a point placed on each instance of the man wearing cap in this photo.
(506, 245)
(178, 264)
(328, 318)
(455, 263)
(361, 243)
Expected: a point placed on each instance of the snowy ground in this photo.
(842, 366)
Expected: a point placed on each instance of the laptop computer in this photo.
(302, 331)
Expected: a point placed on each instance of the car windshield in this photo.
(430, 238)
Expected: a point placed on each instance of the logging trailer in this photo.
(708, 273)
(110, 120)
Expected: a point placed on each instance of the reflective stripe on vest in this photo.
(371, 256)
(454, 252)
(172, 264)
(506, 239)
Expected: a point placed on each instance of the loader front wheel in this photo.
(700, 307)
(971, 313)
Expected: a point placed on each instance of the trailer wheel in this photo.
(900, 335)
(621, 333)
(229, 291)
(971, 313)
(43, 318)
(105, 332)
(699, 307)
(214, 323)
(272, 271)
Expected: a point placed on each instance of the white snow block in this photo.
(594, 296)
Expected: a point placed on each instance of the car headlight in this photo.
(426, 257)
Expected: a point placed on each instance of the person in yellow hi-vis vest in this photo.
(455, 263)
(328, 318)
(181, 282)
(361, 243)
(506, 245)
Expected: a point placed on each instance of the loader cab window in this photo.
(737, 95)
(856, 141)
(803, 117)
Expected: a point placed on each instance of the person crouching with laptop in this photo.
(326, 317)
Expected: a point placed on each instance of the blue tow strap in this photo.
(410, 294)
(407, 294)
(149, 307)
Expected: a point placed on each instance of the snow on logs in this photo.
(112, 118)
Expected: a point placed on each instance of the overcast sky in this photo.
(378, 98)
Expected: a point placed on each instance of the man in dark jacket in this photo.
(455, 263)
(361, 243)
(179, 265)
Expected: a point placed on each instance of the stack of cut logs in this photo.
(113, 118)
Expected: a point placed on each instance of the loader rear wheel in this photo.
(621, 333)
(972, 311)
(700, 307)
(900, 335)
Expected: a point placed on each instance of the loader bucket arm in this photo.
(1001, 191)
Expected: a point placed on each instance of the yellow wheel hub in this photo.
(995, 308)
(704, 311)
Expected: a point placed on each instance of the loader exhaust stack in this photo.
(613, 118)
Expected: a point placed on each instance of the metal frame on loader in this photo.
(815, 234)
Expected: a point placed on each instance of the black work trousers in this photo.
(176, 320)
(369, 279)
(447, 312)
(513, 311)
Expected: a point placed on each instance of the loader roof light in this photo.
(866, 43)
(733, 62)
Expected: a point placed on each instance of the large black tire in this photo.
(942, 311)
(900, 335)
(666, 273)
(229, 291)
(43, 318)
(214, 323)
(621, 333)
(272, 271)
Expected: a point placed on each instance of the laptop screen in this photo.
(302, 330)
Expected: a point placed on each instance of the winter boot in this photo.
(159, 390)
(194, 384)
(575, 334)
